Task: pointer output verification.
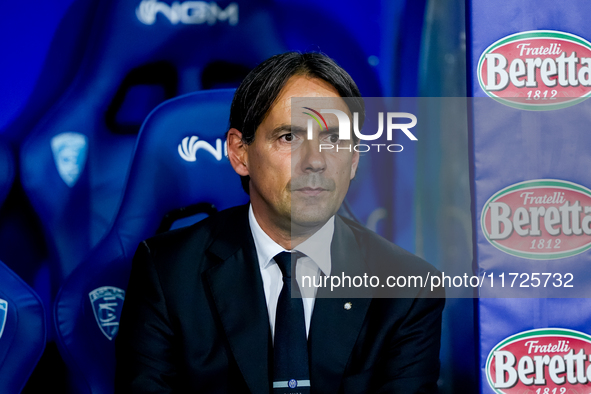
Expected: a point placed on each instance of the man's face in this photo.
(292, 184)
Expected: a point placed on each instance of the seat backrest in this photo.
(141, 52)
(6, 170)
(34, 83)
(22, 331)
(22, 317)
(179, 161)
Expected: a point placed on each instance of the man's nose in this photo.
(313, 159)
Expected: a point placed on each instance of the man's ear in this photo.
(237, 152)
(354, 164)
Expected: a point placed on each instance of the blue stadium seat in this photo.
(22, 331)
(179, 168)
(22, 317)
(141, 52)
(62, 30)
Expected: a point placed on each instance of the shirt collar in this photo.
(317, 247)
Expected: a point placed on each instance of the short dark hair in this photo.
(259, 90)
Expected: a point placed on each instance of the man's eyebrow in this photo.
(288, 128)
(332, 130)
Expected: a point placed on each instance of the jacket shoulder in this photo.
(193, 241)
(385, 256)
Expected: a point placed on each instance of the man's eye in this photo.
(334, 138)
(287, 137)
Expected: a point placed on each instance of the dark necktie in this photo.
(290, 349)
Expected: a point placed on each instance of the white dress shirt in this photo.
(317, 260)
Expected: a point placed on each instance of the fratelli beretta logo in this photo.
(541, 361)
(537, 70)
(539, 219)
(107, 302)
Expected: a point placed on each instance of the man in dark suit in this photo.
(208, 308)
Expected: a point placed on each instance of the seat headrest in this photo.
(180, 160)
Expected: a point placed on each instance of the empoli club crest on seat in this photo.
(3, 314)
(69, 153)
(107, 302)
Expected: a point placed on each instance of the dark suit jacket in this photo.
(195, 318)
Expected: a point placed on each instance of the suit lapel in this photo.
(239, 298)
(238, 294)
(334, 329)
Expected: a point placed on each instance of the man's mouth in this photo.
(310, 191)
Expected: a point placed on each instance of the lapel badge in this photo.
(348, 306)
